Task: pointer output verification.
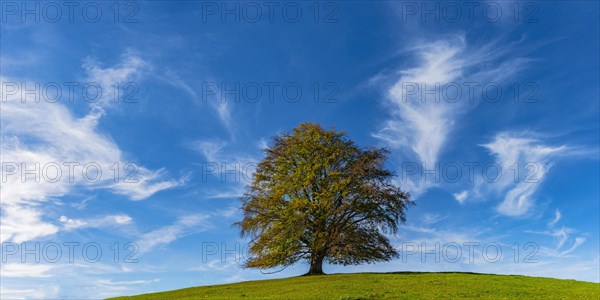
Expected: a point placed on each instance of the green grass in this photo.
(406, 285)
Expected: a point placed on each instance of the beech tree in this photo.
(317, 197)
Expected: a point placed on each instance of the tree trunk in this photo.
(316, 265)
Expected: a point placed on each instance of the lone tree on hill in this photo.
(318, 197)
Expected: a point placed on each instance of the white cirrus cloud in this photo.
(427, 99)
(525, 162)
(118, 82)
(225, 164)
(47, 139)
(165, 235)
(211, 94)
(557, 217)
(100, 222)
(461, 197)
(578, 242)
(26, 270)
(111, 285)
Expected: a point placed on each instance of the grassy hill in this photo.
(406, 285)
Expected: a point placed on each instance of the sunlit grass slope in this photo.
(391, 286)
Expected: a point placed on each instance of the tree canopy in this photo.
(317, 196)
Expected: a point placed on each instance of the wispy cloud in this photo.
(578, 242)
(557, 216)
(529, 157)
(36, 135)
(561, 237)
(111, 285)
(461, 197)
(218, 104)
(423, 112)
(211, 150)
(421, 125)
(432, 218)
(167, 234)
(26, 270)
(47, 291)
(130, 70)
(22, 222)
(100, 222)
(224, 160)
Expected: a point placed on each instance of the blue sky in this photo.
(455, 92)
